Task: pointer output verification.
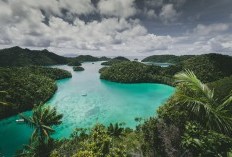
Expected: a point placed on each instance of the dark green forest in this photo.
(16, 56)
(167, 58)
(25, 87)
(208, 68)
(115, 60)
(78, 68)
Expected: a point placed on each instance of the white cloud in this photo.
(210, 29)
(22, 23)
(168, 13)
(150, 14)
(118, 8)
(78, 6)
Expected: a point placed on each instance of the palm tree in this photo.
(42, 120)
(115, 130)
(199, 101)
(36, 149)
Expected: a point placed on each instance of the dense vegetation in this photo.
(74, 62)
(135, 72)
(78, 68)
(192, 123)
(26, 86)
(166, 58)
(17, 56)
(222, 87)
(208, 68)
(88, 58)
(42, 121)
(115, 60)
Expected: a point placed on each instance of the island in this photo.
(115, 60)
(78, 68)
(207, 67)
(26, 86)
(74, 62)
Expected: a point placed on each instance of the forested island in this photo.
(24, 87)
(78, 68)
(195, 121)
(207, 67)
(17, 56)
(167, 58)
(115, 60)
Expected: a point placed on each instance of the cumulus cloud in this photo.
(209, 29)
(119, 8)
(108, 26)
(168, 13)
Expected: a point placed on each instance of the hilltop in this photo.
(16, 56)
(207, 67)
(115, 60)
(167, 58)
(89, 58)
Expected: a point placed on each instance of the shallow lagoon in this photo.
(105, 102)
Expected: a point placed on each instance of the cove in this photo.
(86, 100)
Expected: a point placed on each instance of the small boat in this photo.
(84, 95)
(19, 120)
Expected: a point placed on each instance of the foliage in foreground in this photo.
(100, 141)
(203, 122)
(42, 121)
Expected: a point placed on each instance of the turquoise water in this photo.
(106, 102)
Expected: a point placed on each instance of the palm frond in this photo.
(198, 100)
(28, 120)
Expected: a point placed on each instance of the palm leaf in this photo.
(198, 100)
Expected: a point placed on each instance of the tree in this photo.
(196, 98)
(42, 120)
(115, 130)
(202, 142)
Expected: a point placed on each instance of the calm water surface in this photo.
(105, 102)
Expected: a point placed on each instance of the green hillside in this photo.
(115, 60)
(166, 58)
(208, 68)
(16, 56)
(89, 58)
(25, 87)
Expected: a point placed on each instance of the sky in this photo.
(118, 27)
